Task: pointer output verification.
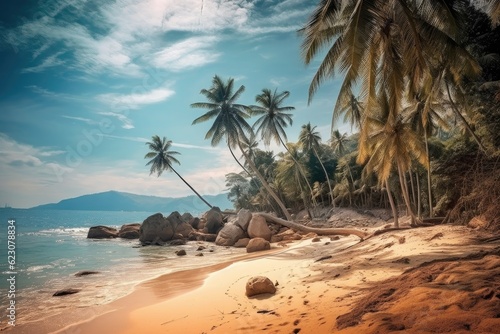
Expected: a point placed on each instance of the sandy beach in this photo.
(426, 280)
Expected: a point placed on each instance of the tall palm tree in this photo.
(162, 159)
(230, 123)
(310, 140)
(391, 145)
(273, 120)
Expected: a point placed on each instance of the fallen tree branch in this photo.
(307, 229)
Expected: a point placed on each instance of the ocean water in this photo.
(52, 245)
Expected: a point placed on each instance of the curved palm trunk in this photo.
(204, 201)
(393, 206)
(265, 184)
(319, 231)
(326, 174)
(428, 173)
(467, 125)
(300, 170)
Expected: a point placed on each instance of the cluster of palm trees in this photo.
(405, 79)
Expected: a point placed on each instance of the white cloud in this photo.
(25, 170)
(189, 53)
(135, 100)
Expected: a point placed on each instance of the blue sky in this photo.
(85, 83)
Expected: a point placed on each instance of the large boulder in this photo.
(213, 220)
(258, 285)
(229, 234)
(102, 232)
(257, 228)
(187, 217)
(157, 229)
(129, 231)
(258, 244)
(243, 219)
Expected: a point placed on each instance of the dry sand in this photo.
(332, 286)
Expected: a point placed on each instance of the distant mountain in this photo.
(121, 201)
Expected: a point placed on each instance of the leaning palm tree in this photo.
(310, 140)
(162, 159)
(230, 124)
(273, 120)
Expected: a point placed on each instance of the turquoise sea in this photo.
(52, 245)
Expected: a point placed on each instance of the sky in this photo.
(86, 83)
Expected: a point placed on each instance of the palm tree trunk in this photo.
(419, 196)
(406, 198)
(326, 174)
(429, 189)
(467, 125)
(412, 185)
(393, 206)
(204, 201)
(265, 184)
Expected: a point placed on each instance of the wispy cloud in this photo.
(50, 61)
(189, 53)
(135, 100)
(126, 122)
(82, 119)
(50, 94)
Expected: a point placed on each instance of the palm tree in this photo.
(310, 140)
(230, 123)
(273, 120)
(391, 145)
(289, 173)
(338, 142)
(162, 159)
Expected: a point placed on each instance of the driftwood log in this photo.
(318, 231)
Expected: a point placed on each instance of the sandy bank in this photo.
(327, 295)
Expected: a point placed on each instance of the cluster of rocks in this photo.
(241, 230)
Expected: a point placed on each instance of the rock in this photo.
(65, 292)
(199, 236)
(336, 237)
(257, 228)
(129, 231)
(157, 229)
(102, 232)
(199, 254)
(242, 243)
(214, 220)
(258, 285)
(276, 238)
(200, 248)
(181, 252)
(177, 242)
(195, 222)
(187, 217)
(86, 273)
(258, 244)
(289, 235)
(243, 219)
(201, 224)
(316, 239)
(229, 235)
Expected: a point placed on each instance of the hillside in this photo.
(121, 201)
